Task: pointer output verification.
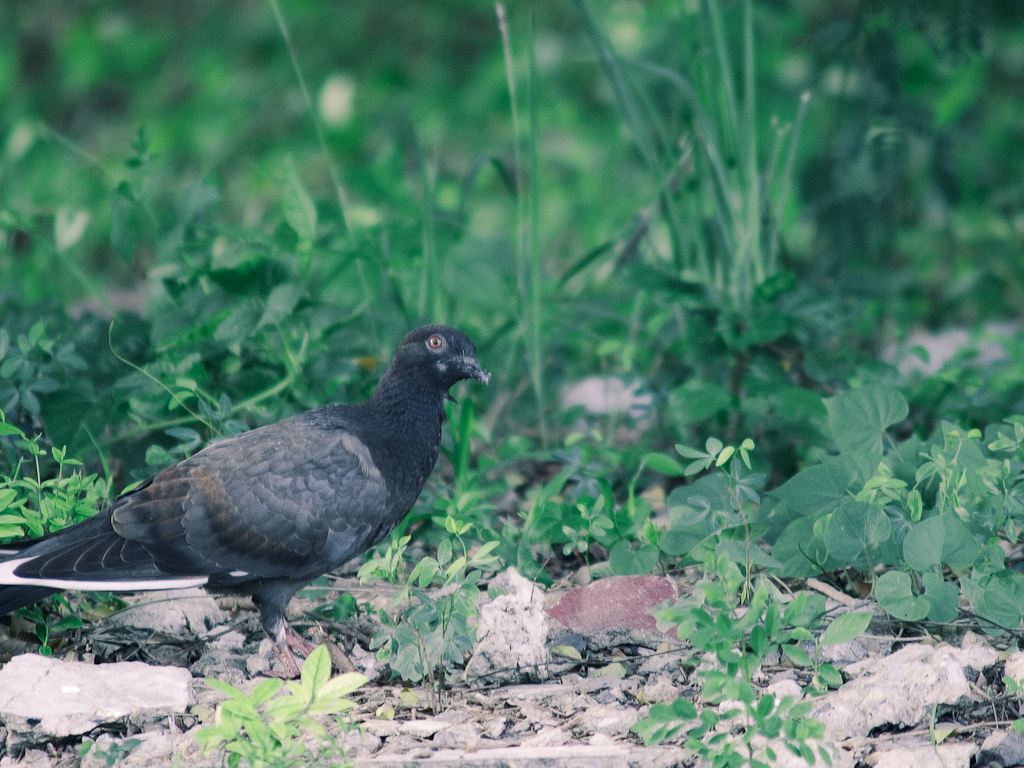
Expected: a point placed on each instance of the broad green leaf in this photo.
(801, 552)
(922, 546)
(626, 561)
(892, 590)
(960, 548)
(342, 685)
(845, 628)
(859, 418)
(1004, 600)
(854, 528)
(943, 596)
(697, 400)
(816, 490)
(240, 323)
(940, 539)
(796, 654)
(265, 690)
(317, 669)
(280, 304)
(662, 462)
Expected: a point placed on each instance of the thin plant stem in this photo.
(339, 190)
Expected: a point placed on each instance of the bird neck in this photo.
(407, 410)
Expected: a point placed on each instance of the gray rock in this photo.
(900, 689)
(461, 736)
(660, 689)
(1015, 665)
(609, 720)
(568, 756)
(956, 755)
(152, 749)
(360, 743)
(423, 729)
(495, 727)
(33, 758)
(1002, 748)
(173, 611)
(42, 699)
(511, 634)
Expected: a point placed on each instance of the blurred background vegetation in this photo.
(735, 206)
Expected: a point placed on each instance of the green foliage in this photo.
(33, 504)
(738, 642)
(266, 730)
(112, 756)
(433, 630)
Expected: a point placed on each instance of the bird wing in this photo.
(292, 499)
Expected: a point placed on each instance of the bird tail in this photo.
(14, 597)
(17, 596)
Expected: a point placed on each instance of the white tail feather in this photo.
(8, 577)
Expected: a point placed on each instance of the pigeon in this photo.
(267, 511)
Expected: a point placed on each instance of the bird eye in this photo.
(436, 342)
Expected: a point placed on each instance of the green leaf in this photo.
(567, 651)
(940, 539)
(662, 462)
(342, 685)
(615, 670)
(280, 304)
(626, 561)
(859, 418)
(943, 596)
(854, 528)
(265, 690)
(240, 323)
(125, 223)
(317, 669)
(796, 654)
(695, 401)
(299, 210)
(9, 429)
(817, 489)
(845, 628)
(893, 592)
(6, 497)
(831, 676)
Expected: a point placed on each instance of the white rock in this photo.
(956, 755)
(782, 688)
(173, 611)
(43, 698)
(660, 689)
(1015, 665)
(548, 737)
(900, 689)
(511, 635)
(422, 729)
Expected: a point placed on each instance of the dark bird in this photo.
(267, 511)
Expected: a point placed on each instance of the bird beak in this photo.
(472, 369)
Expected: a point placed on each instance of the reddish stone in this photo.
(617, 601)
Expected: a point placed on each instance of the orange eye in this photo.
(436, 342)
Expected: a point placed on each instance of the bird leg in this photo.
(283, 648)
(298, 642)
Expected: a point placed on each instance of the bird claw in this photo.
(289, 666)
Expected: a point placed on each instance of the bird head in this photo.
(439, 355)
